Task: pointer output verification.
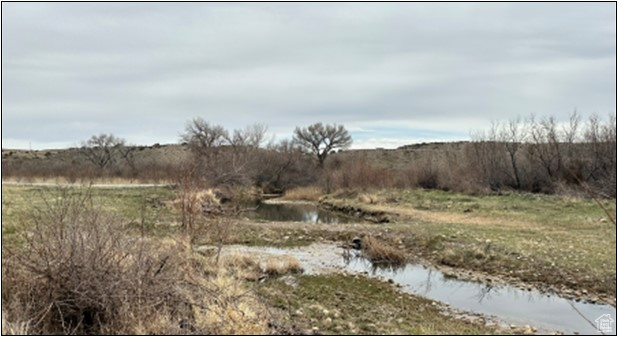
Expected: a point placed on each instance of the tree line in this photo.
(525, 154)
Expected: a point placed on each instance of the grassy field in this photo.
(135, 206)
(536, 238)
(542, 240)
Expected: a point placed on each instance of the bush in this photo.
(80, 273)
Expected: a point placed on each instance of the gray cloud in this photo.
(141, 70)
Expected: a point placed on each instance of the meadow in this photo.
(558, 243)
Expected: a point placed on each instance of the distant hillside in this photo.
(404, 156)
(160, 153)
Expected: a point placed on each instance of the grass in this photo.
(540, 239)
(378, 251)
(309, 193)
(550, 239)
(80, 272)
(137, 206)
(282, 265)
(339, 304)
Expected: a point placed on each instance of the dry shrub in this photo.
(80, 273)
(378, 251)
(195, 202)
(308, 193)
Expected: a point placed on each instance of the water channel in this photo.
(509, 304)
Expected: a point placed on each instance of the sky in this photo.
(391, 73)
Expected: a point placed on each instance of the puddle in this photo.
(295, 212)
(546, 312)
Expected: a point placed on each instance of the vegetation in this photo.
(381, 253)
(341, 304)
(527, 155)
(549, 240)
(320, 139)
(529, 202)
(79, 272)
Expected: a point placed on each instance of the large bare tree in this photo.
(321, 139)
(101, 149)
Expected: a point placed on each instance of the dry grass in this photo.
(380, 252)
(80, 273)
(309, 193)
(244, 266)
(60, 180)
(15, 327)
(282, 265)
(368, 198)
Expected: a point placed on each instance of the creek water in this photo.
(309, 213)
(547, 312)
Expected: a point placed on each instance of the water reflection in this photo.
(295, 212)
(510, 304)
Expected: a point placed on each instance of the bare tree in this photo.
(489, 148)
(321, 139)
(202, 136)
(601, 138)
(101, 149)
(545, 146)
(251, 136)
(283, 165)
(225, 158)
(513, 134)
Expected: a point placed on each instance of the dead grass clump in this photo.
(367, 198)
(292, 265)
(380, 252)
(243, 261)
(282, 265)
(14, 327)
(80, 273)
(309, 193)
(244, 266)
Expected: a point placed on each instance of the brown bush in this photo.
(80, 273)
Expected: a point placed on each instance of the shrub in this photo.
(79, 272)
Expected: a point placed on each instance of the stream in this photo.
(547, 312)
(299, 212)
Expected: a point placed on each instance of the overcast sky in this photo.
(392, 73)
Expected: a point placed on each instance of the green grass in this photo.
(549, 239)
(342, 304)
(130, 204)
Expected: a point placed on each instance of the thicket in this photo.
(533, 155)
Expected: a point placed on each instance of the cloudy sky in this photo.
(392, 73)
